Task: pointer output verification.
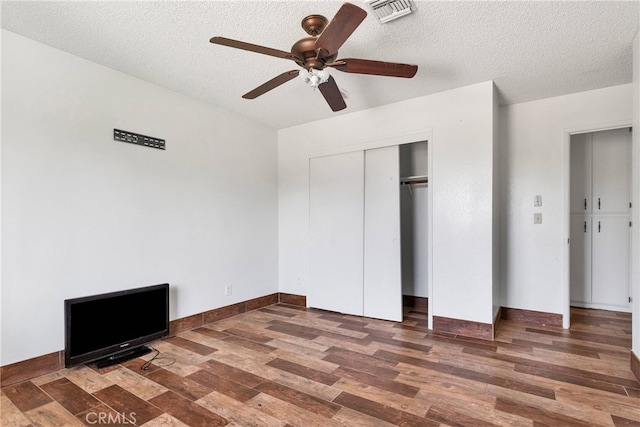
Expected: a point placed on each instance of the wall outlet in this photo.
(537, 218)
(228, 289)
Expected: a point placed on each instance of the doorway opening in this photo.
(600, 219)
(600, 170)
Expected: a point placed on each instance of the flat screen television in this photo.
(112, 327)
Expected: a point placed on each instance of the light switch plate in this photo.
(537, 201)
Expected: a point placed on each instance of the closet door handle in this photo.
(585, 226)
(598, 202)
(598, 226)
(585, 204)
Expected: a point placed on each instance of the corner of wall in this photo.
(496, 204)
(1, 299)
(635, 198)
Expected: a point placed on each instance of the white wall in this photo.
(460, 181)
(83, 214)
(534, 161)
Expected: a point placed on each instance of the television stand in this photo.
(122, 356)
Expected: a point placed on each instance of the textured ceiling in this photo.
(531, 50)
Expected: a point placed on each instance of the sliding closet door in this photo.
(336, 223)
(382, 261)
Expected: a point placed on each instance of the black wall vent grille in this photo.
(136, 138)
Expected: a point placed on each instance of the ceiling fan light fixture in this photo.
(313, 77)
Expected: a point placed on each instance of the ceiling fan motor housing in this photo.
(309, 58)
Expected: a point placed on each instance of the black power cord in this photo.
(147, 364)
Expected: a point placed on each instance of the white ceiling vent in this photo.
(388, 10)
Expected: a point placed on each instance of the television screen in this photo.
(105, 325)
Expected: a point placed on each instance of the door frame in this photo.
(566, 252)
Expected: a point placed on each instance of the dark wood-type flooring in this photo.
(285, 365)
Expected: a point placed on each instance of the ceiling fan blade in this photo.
(378, 68)
(340, 28)
(332, 95)
(253, 48)
(271, 84)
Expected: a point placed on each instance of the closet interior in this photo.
(414, 183)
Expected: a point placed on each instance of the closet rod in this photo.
(409, 180)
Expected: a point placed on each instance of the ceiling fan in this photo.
(320, 50)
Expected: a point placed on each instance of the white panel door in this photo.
(580, 258)
(610, 258)
(336, 225)
(580, 173)
(611, 171)
(382, 261)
